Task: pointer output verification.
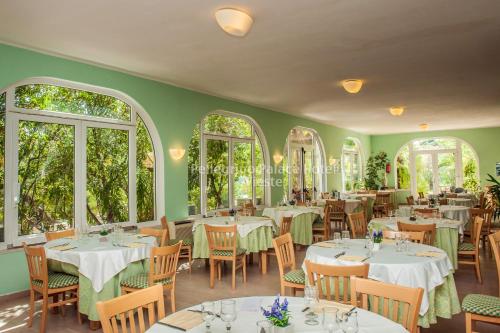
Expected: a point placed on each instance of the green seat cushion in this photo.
(58, 280)
(140, 281)
(482, 305)
(466, 247)
(185, 241)
(229, 253)
(295, 276)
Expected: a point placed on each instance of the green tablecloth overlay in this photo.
(111, 289)
(257, 240)
(301, 229)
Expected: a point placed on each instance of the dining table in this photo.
(370, 197)
(420, 266)
(101, 263)
(467, 202)
(460, 213)
(351, 205)
(468, 195)
(448, 232)
(249, 312)
(303, 218)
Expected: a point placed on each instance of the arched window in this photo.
(228, 161)
(433, 165)
(304, 168)
(76, 156)
(352, 165)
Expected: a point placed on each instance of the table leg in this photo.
(263, 259)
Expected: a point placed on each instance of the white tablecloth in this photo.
(277, 213)
(470, 196)
(359, 196)
(460, 213)
(389, 266)
(460, 202)
(249, 313)
(350, 204)
(100, 260)
(245, 224)
(392, 223)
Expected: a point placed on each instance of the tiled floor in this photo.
(192, 289)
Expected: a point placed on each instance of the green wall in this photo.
(175, 111)
(485, 141)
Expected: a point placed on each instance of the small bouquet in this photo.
(279, 314)
(232, 212)
(377, 236)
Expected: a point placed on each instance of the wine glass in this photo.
(228, 312)
(264, 326)
(336, 238)
(330, 321)
(311, 298)
(349, 323)
(208, 311)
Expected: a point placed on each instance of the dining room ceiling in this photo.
(439, 59)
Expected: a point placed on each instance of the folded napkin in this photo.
(136, 245)
(428, 254)
(351, 258)
(184, 320)
(326, 244)
(64, 247)
(342, 308)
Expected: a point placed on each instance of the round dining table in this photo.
(100, 262)
(460, 213)
(249, 313)
(467, 202)
(351, 205)
(421, 266)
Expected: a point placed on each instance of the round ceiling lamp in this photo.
(397, 110)
(233, 21)
(352, 86)
(424, 127)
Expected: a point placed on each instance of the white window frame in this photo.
(80, 122)
(358, 150)
(256, 134)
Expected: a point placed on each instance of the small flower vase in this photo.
(231, 218)
(376, 247)
(286, 329)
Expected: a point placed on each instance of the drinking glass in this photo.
(346, 234)
(369, 246)
(349, 323)
(336, 238)
(208, 311)
(398, 239)
(228, 312)
(264, 326)
(310, 299)
(330, 321)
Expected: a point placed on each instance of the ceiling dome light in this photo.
(396, 110)
(424, 127)
(352, 86)
(234, 21)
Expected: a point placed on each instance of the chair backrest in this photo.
(51, 235)
(451, 195)
(413, 236)
(494, 239)
(485, 214)
(223, 213)
(364, 205)
(410, 200)
(482, 200)
(248, 209)
(443, 201)
(421, 195)
(476, 232)
(379, 296)
(164, 264)
(164, 225)
(357, 224)
(286, 225)
(427, 212)
(160, 234)
(113, 313)
(37, 264)
(429, 229)
(223, 238)
(333, 281)
(283, 246)
(325, 195)
(382, 198)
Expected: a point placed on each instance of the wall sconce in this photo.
(177, 153)
(332, 161)
(277, 158)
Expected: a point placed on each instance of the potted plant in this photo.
(279, 316)
(374, 166)
(494, 191)
(377, 239)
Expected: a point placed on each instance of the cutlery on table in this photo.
(340, 254)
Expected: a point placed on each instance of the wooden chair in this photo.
(410, 200)
(337, 214)
(486, 215)
(421, 195)
(357, 224)
(482, 200)
(333, 282)
(286, 225)
(378, 296)
(484, 307)
(427, 212)
(290, 276)
(51, 235)
(325, 195)
(429, 229)
(248, 209)
(451, 195)
(223, 213)
(127, 306)
(382, 204)
(160, 234)
(45, 284)
(471, 250)
(162, 270)
(413, 236)
(443, 201)
(321, 230)
(364, 207)
(187, 244)
(222, 246)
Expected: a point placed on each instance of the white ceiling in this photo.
(439, 58)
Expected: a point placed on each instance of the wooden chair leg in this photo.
(294, 291)
(283, 289)
(63, 308)
(219, 270)
(468, 323)
(244, 271)
(233, 278)
(45, 309)
(190, 258)
(212, 273)
(32, 308)
(478, 270)
(172, 299)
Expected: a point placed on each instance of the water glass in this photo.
(330, 321)
(264, 326)
(336, 238)
(346, 234)
(349, 323)
(310, 299)
(228, 312)
(208, 311)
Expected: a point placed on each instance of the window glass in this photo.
(434, 143)
(260, 169)
(471, 168)
(62, 99)
(351, 164)
(194, 194)
(145, 177)
(232, 126)
(403, 169)
(217, 174)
